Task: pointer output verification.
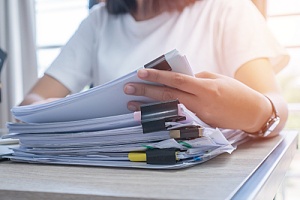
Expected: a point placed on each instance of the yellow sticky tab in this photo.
(137, 157)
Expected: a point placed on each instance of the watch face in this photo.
(271, 126)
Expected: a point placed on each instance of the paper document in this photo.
(111, 146)
(94, 128)
(96, 102)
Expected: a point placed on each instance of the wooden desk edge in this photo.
(31, 195)
(265, 181)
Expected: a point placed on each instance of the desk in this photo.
(254, 171)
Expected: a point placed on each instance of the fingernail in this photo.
(129, 89)
(132, 108)
(142, 73)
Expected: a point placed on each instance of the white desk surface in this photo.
(254, 171)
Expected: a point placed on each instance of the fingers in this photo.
(172, 79)
(206, 74)
(176, 86)
(145, 90)
(160, 93)
(134, 105)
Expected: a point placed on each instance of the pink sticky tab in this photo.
(137, 116)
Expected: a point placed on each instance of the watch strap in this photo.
(270, 125)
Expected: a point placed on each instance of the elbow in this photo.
(283, 114)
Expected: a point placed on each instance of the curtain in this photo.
(17, 38)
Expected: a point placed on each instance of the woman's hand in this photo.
(45, 101)
(218, 100)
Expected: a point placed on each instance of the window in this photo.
(283, 17)
(56, 21)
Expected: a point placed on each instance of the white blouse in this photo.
(216, 35)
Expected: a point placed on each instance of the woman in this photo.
(226, 42)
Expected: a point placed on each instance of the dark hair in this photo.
(130, 6)
(121, 6)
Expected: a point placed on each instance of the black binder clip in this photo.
(155, 115)
(159, 63)
(187, 133)
(161, 156)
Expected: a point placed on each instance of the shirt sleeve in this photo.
(244, 36)
(73, 66)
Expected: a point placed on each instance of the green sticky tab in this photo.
(187, 145)
(147, 147)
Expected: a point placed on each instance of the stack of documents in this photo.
(95, 128)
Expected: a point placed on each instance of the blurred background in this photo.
(33, 32)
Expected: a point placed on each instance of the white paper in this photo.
(101, 101)
(94, 128)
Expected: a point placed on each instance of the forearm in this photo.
(281, 107)
(46, 88)
(258, 75)
(261, 112)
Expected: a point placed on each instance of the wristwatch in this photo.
(271, 124)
